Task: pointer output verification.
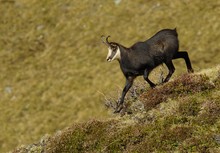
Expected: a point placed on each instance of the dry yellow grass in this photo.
(53, 62)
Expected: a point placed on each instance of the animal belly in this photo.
(133, 72)
(158, 60)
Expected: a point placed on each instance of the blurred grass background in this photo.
(53, 70)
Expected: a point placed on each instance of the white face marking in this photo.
(117, 55)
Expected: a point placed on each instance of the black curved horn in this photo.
(106, 40)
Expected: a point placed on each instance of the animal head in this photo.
(113, 50)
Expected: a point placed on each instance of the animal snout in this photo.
(108, 59)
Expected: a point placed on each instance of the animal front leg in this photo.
(129, 82)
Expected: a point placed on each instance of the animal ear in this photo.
(114, 46)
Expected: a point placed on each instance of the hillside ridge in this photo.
(181, 115)
(53, 64)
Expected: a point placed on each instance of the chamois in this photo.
(142, 57)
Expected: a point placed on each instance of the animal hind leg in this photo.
(171, 68)
(146, 74)
(185, 56)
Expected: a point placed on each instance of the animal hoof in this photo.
(118, 109)
(153, 86)
(190, 70)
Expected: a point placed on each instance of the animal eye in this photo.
(114, 48)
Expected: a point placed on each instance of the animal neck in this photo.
(118, 54)
(123, 52)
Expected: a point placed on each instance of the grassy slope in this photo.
(186, 118)
(52, 61)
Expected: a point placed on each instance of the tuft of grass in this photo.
(189, 107)
(185, 84)
(210, 113)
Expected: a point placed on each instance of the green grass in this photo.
(53, 67)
